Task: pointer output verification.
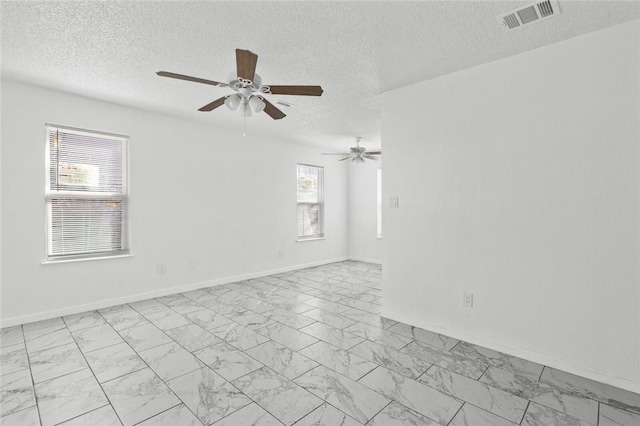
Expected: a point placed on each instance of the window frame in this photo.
(320, 203)
(379, 203)
(123, 197)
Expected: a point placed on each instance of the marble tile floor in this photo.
(302, 348)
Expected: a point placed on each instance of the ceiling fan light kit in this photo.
(256, 103)
(248, 87)
(233, 102)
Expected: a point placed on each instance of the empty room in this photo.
(320, 213)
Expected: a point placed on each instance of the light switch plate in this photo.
(394, 203)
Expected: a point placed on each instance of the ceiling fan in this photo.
(248, 87)
(357, 154)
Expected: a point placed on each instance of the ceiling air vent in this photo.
(533, 12)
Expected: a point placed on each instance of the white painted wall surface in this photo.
(363, 204)
(197, 192)
(519, 181)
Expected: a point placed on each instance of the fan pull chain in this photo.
(245, 126)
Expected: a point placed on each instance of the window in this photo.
(86, 194)
(379, 203)
(310, 202)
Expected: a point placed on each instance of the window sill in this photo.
(301, 240)
(84, 259)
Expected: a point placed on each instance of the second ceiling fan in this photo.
(357, 154)
(248, 87)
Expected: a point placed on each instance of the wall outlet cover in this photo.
(467, 299)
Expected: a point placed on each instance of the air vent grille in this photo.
(284, 104)
(528, 14)
(511, 21)
(545, 9)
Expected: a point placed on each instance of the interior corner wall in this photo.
(364, 243)
(518, 181)
(211, 204)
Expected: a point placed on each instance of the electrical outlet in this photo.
(280, 253)
(467, 299)
(162, 268)
(394, 202)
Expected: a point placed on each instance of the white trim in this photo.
(300, 240)
(379, 203)
(319, 201)
(538, 357)
(54, 313)
(366, 259)
(124, 196)
(85, 132)
(67, 259)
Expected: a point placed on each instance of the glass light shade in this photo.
(257, 104)
(246, 109)
(232, 102)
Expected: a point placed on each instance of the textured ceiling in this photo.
(355, 50)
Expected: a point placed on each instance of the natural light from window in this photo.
(310, 212)
(86, 194)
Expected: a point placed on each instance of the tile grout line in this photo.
(482, 375)
(324, 401)
(151, 369)
(391, 401)
(33, 382)
(66, 374)
(93, 372)
(206, 366)
(108, 404)
(541, 373)
(264, 408)
(245, 406)
(456, 413)
(463, 400)
(525, 412)
(309, 413)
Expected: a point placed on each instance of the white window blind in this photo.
(310, 212)
(86, 194)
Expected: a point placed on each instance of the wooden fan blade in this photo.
(335, 153)
(213, 105)
(345, 158)
(274, 112)
(296, 90)
(246, 62)
(374, 152)
(188, 78)
(370, 157)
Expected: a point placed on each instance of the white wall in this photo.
(197, 193)
(363, 212)
(519, 181)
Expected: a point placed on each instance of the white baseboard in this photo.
(366, 259)
(54, 313)
(537, 357)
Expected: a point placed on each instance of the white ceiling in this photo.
(355, 50)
